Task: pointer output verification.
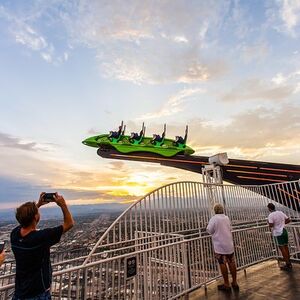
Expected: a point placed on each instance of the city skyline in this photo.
(71, 69)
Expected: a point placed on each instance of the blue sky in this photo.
(229, 69)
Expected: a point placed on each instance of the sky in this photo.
(73, 69)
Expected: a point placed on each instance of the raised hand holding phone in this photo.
(45, 198)
(59, 199)
(49, 197)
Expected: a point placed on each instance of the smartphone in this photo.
(2, 245)
(49, 197)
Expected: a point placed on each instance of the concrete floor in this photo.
(262, 282)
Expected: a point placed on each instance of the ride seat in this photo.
(134, 135)
(179, 140)
(156, 138)
(113, 134)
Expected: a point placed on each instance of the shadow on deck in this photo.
(260, 282)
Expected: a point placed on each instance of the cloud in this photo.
(16, 191)
(23, 178)
(23, 21)
(290, 14)
(13, 189)
(256, 89)
(141, 21)
(261, 133)
(115, 181)
(270, 134)
(24, 174)
(117, 165)
(25, 35)
(257, 51)
(93, 131)
(142, 42)
(149, 42)
(157, 62)
(174, 104)
(293, 79)
(279, 79)
(16, 143)
(240, 18)
(285, 17)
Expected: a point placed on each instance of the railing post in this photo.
(186, 265)
(296, 238)
(146, 275)
(84, 284)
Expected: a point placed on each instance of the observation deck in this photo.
(163, 235)
(259, 282)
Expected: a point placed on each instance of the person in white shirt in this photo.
(277, 221)
(219, 227)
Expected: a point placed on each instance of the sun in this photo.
(137, 184)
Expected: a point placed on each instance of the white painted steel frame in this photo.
(185, 207)
(165, 230)
(165, 271)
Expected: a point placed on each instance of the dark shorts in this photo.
(224, 258)
(283, 239)
(43, 296)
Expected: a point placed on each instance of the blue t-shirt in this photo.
(32, 254)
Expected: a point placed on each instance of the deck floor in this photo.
(261, 282)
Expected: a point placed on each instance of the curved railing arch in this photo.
(174, 210)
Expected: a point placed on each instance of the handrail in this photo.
(262, 252)
(186, 203)
(209, 186)
(91, 264)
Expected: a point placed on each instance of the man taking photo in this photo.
(31, 248)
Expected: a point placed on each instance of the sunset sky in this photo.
(72, 69)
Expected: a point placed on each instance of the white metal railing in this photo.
(60, 260)
(165, 231)
(165, 271)
(185, 207)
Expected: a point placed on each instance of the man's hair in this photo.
(218, 208)
(271, 206)
(25, 213)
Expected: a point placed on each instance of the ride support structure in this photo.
(212, 176)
